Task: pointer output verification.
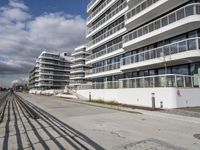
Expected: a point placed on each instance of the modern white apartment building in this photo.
(141, 48)
(51, 72)
(78, 67)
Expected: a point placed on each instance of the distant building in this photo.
(51, 72)
(78, 67)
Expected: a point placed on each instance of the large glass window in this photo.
(183, 69)
(180, 14)
(172, 18)
(189, 10)
(192, 44)
(164, 21)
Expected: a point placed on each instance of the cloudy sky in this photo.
(27, 27)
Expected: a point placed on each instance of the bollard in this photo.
(161, 104)
(153, 101)
(90, 98)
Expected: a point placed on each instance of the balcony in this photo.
(79, 76)
(187, 50)
(92, 4)
(54, 68)
(112, 33)
(184, 19)
(78, 58)
(111, 50)
(54, 63)
(107, 69)
(74, 71)
(79, 64)
(51, 58)
(100, 10)
(79, 53)
(157, 81)
(113, 14)
(148, 10)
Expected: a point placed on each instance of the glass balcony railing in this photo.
(109, 67)
(106, 34)
(139, 8)
(102, 6)
(77, 76)
(91, 3)
(188, 10)
(74, 70)
(101, 85)
(78, 57)
(166, 50)
(105, 51)
(54, 63)
(107, 17)
(78, 64)
(166, 80)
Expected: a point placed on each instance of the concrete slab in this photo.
(111, 129)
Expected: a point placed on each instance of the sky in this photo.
(27, 27)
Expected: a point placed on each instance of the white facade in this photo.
(78, 67)
(149, 45)
(52, 71)
(167, 97)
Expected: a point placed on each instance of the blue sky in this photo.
(38, 7)
(30, 26)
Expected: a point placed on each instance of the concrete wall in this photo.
(171, 97)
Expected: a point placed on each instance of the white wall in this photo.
(171, 97)
(188, 98)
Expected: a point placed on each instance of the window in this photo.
(151, 27)
(172, 18)
(182, 46)
(157, 24)
(173, 48)
(164, 21)
(180, 14)
(192, 44)
(189, 10)
(149, 2)
(145, 30)
(140, 32)
(198, 9)
(183, 69)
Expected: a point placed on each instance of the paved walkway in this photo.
(118, 130)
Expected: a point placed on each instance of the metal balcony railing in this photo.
(107, 17)
(108, 67)
(139, 8)
(91, 3)
(188, 10)
(166, 50)
(102, 6)
(166, 80)
(106, 34)
(77, 76)
(105, 51)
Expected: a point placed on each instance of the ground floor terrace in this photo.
(168, 90)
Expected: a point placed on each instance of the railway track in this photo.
(26, 126)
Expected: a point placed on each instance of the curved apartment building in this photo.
(144, 48)
(78, 67)
(51, 72)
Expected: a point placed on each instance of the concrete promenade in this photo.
(101, 128)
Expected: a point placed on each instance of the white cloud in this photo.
(17, 4)
(23, 37)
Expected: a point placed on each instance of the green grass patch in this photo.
(113, 103)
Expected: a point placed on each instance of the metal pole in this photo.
(153, 101)
(90, 98)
